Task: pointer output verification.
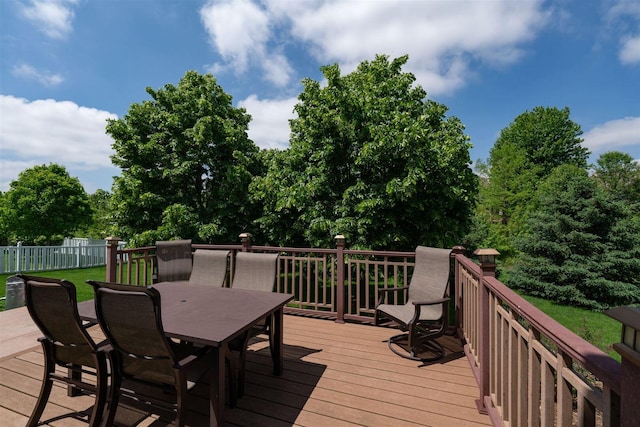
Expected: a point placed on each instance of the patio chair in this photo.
(66, 343)
(424, 316)
(141, 354)
(209, 267)
(173, 260)
(257, 272)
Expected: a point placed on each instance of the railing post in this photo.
(629, 349)
(19, 257)
(340, 241)
(112, 258)
(487, 259)
(245, 238)
(457, 289)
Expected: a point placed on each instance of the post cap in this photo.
(486, 256)
(630, 319)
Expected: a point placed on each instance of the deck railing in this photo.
(531, 371)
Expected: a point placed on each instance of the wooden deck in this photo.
(334, 375)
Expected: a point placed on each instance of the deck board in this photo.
(334, 374)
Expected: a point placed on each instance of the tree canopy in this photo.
(44, 205)
(619, 174)
(372, 159)
(583, 247)
(524, 154)
(101, 224)
(186, 164)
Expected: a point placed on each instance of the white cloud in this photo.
(29, 72)
(52, 17)
(441, 38)
(623, 20)
(239, 30)
(49, 131)
(269, 127)
(630, 51)
(613, 135)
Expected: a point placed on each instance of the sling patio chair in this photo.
(253, 271)
(66, 343)
(141, 353)
(173, 260)
(424, 316)
(209, 267)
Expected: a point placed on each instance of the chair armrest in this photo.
(434, 302)
(385, 291)
(193, 357)
(187, 360)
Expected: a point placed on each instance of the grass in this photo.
(596, 328)
(77, 276)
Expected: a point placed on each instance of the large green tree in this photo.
(186, 164)
(101, 224)
(583, 247)
(619, 174)
(44, 205)
(5, 232)
(524, 154)
(370, 158)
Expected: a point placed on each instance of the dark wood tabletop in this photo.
(206, 314)
(213, 316)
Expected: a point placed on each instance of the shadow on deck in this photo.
(334, 374)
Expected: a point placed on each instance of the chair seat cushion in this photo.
(404, 313)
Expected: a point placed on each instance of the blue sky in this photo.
(68, 65)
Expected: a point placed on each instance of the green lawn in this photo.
(77, 276)
(596, 328)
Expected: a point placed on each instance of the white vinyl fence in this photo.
(77, 253)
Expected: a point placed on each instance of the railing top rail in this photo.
(293, 249)
(379, 253)
(135, 250)
(210, 246)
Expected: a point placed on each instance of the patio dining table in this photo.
(214, 316)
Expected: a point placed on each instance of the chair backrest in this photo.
(53, 307)
(131, 318)
(209, 267)
(174, 260)
(255, 271)
(430, 276)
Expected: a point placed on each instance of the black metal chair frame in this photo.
(420, 333)
(262, 279)
(123, 359)
(67, 345)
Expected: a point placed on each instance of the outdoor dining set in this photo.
(183, 328)
(193, 325)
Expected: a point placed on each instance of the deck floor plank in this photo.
(335, 374)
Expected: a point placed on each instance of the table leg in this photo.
(277, 349)
(74, 374)
(217, 392)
